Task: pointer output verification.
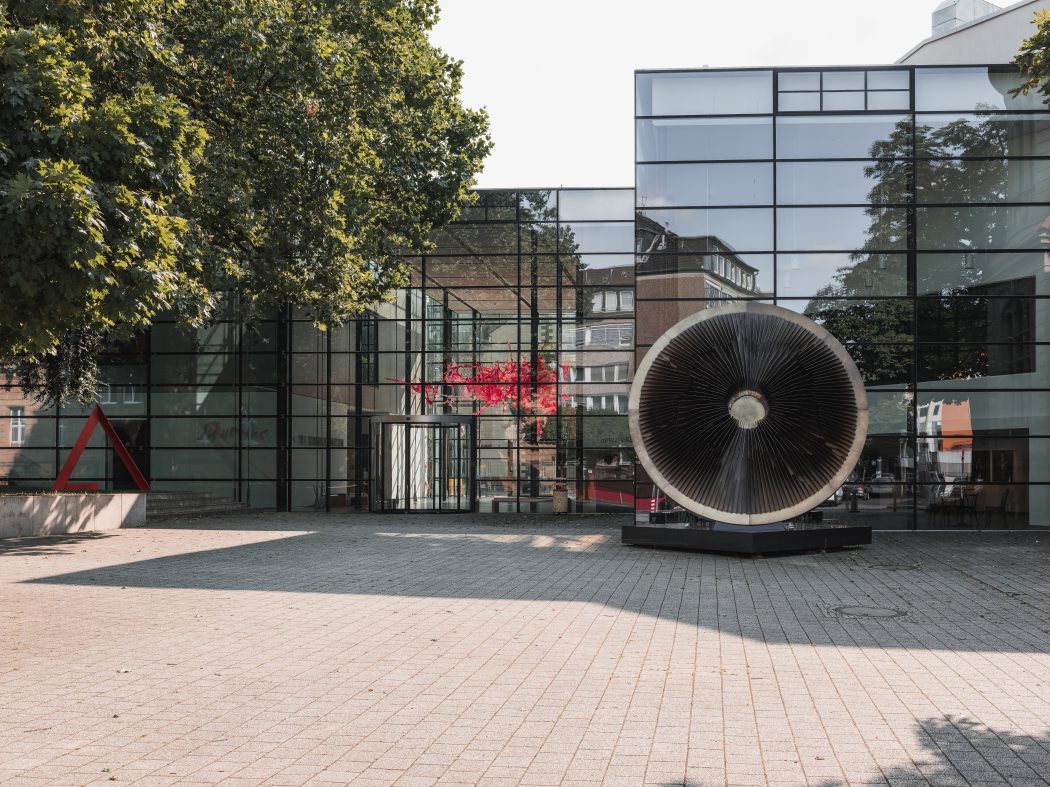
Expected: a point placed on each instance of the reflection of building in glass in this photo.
(685, 273)
(905, 208)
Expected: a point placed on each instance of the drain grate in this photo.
(868, 612)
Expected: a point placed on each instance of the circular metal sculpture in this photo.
(748, 414)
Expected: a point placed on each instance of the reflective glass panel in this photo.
(798, 102)
(843, 80)
(960, 270)
(846, 182)
(888, 99)
(974, 361)
(667, 185)
(739, 229)
(856, 321)
(970, 228)
(704, 139)
(596, 205)
(983, 411)
(847, 136)
(798, 80)
(845, 275)
(706, 275)
(705, 93)
(970, 88)
(841, 229)
(999, 317)
(888, 80)
(844, 102)
(960, 135)
(982, 180)
(597, 237)
(474, 238)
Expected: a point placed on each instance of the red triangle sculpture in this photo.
(97, 417)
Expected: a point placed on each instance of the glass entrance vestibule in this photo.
(423, 463)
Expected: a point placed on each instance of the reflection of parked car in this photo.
(882, 485)
(854, 486)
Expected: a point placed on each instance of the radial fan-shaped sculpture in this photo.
(748, 414)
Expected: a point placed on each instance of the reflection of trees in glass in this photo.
(870, 327)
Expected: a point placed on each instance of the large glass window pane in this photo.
(982, 180)
(973, 228)
(596, 204)
(970, 88)
(199, 369)
(996, 319)
(174, 337)
(846, 136)
(962, 135)
(712, 274)
(493, 238)
(704, 139)
(193, 400)
(18, 463)
(667, 185)
(845, 182)
(962, 270)
(841, 229)
(798, 80)
(841, 275)
(597, 237)
(191, 463)
(843, 80)
(982, 411)
(857, 321)
(705, 93)
(180, 432)
(844, 102)
(739, 229)
(974, 361)
(538, 205)
(888, 99)
(798, 102)
(888, 80)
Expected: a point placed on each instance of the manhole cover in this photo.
(867, 612)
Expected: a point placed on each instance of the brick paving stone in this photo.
(316, 649)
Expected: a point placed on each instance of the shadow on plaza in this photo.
(949, 597)
(47, 545)
(955, 751)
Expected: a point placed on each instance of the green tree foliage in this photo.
(1033, 59)
(290, 151)
(91, 180)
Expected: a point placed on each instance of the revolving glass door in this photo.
(423, 463)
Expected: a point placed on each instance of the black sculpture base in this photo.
(747, 539)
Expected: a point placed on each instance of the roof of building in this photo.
(988, 40)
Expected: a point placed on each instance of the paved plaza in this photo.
(311, 649)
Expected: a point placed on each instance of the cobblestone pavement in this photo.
(296, 649)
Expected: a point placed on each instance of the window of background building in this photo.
(18, 425)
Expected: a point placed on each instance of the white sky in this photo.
(557, 75)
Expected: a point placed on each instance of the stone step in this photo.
(173, 504)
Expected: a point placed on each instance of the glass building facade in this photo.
(905, 209)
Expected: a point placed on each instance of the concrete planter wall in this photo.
(54, 514)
